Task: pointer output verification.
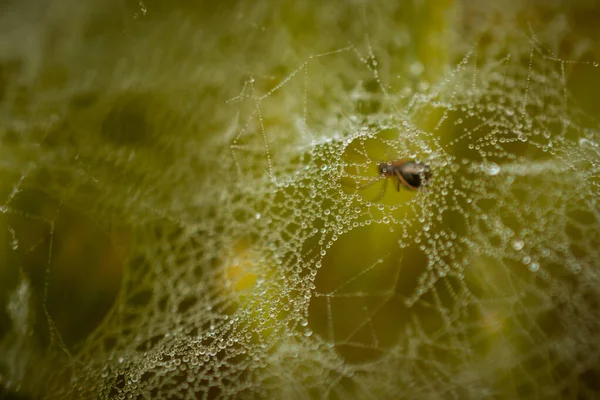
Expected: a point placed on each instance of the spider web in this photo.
(262, 261)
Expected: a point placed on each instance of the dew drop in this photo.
(490, 168)
(587, 143)
(534, 267)
(518, 244)
(416, 68)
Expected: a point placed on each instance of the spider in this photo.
(408, 173)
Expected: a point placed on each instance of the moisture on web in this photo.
(280, 264)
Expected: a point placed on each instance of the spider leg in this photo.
(381, 192)
(368, 184)
(351, 182)
(401, 180)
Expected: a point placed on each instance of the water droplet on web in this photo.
(307, 332)
(416, 68)
(490, 168)
(518, 244)
(587, 143)
(526, 260)
(257, 216)
(595, 64)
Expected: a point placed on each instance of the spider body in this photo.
(410, 174)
